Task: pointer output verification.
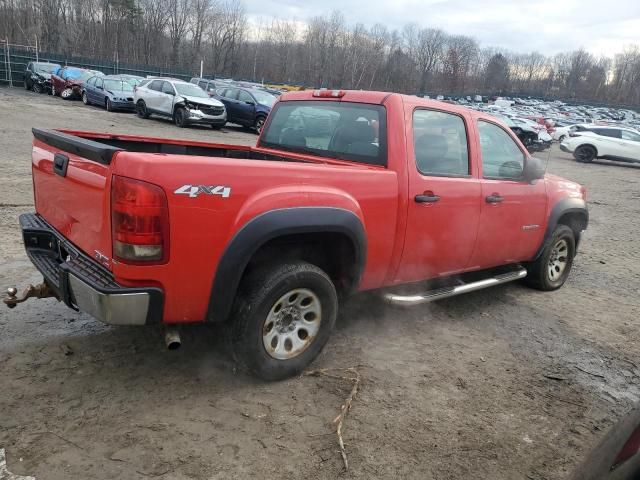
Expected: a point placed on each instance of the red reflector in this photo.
(139, 222)
(328, 93)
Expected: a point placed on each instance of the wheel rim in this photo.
(558, 260)
(259, 124)
(66, 93)
(292, 324)
(85, 100)
(37, 88)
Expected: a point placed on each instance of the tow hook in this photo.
(41, 290)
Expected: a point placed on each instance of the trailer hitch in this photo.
(41, 290)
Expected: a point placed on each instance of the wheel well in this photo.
(332, 252)
(576, 221)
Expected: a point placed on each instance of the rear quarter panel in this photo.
(202, 226)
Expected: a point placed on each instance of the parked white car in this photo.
(610, 143)
(183, 102)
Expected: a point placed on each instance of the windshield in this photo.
(190, 90)
(46, 67)
(117, 85)
(264, 98)
(342, 130)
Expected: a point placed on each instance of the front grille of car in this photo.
(215, 111)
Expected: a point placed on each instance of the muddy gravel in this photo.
(507, 383)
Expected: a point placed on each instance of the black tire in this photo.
(257, 299)
(585, 154)
(38, 88)
(539, 273)
(141, 109)
(85, 98)
(259, 123)
(108, 105)
(179, 118)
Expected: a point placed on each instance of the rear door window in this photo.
(98, 82)
(156, 85)
(440, 143)
(341, 130)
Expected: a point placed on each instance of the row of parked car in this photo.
(200, 101)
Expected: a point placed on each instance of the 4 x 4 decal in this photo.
(194, 190)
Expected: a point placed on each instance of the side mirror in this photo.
(534, 169)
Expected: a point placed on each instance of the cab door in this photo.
(513, 211)
(246, 108)
(444, 196)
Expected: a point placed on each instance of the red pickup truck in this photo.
(344, 192)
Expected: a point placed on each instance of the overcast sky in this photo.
(548, 26)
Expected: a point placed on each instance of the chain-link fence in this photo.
(14, 60)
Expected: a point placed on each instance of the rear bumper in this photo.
(82, 283)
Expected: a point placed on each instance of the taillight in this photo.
(139, 222)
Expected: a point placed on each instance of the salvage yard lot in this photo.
(506, 383)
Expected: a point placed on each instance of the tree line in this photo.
(322, 51)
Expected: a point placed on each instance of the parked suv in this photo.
(37, 76)
(209, 86)
(610, 143)
(248, 107)
(183, 102)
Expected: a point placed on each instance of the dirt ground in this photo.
(458, 389)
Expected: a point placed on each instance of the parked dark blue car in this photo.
(114, 92)
(248, 107)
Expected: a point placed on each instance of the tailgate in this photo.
(71, 176)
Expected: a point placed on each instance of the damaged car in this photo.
(67, 82)
(534, 140)
(37, 76)
(183, 102)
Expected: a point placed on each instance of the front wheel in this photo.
(67, 93)
(551, 269)
(259, 124)
(38, 88)
(283, 317)
(108, 105)
(180, 118)
(585, 154)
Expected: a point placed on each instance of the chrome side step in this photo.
(446, 292)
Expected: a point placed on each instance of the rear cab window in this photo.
(342, 130)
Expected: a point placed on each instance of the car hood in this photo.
(209, 102)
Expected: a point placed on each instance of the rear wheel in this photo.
(180, 118)
(585, 154)
(283, 317)
(141, 109)
(551, 269)
(85, 99)
(67, 93)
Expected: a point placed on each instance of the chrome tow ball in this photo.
(41, 290)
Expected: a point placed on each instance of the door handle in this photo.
(427, 197)
(494, 198)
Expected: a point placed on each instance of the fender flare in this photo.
(270, 225)
(564, 206)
